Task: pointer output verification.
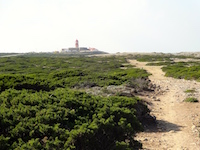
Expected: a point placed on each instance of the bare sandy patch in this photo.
(177, 121)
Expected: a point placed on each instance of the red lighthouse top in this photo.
(76, 44)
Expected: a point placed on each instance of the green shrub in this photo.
(40, 108)
(190, 91)
(66, 118)
(191, 99)
(46, 74)
(188, 71)
(160, 63)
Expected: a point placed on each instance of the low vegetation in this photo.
(189, 70)
(65, 118)
(153, 58)
(183, 71)
(191, 99)
(158, 57)
(7, 54)
(41, 106)
(190, 91)
(40, 73)
(162, 63)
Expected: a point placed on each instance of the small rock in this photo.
(152, 140)
(193, 127)
(172, 131)
(154, 97)
(157, 99)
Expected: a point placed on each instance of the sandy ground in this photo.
(177, 121)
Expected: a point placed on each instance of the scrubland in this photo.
(62, 102)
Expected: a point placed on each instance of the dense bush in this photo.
(46, 74)
(183, 71)
(64, 119)
(39, 110)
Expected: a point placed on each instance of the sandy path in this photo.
(176, 120)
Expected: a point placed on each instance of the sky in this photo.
(112, 26)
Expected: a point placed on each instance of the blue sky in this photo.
(108, 25)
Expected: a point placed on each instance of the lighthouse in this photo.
(76, 44)
(77, 48)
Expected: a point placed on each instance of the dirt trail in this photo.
(177, 121)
